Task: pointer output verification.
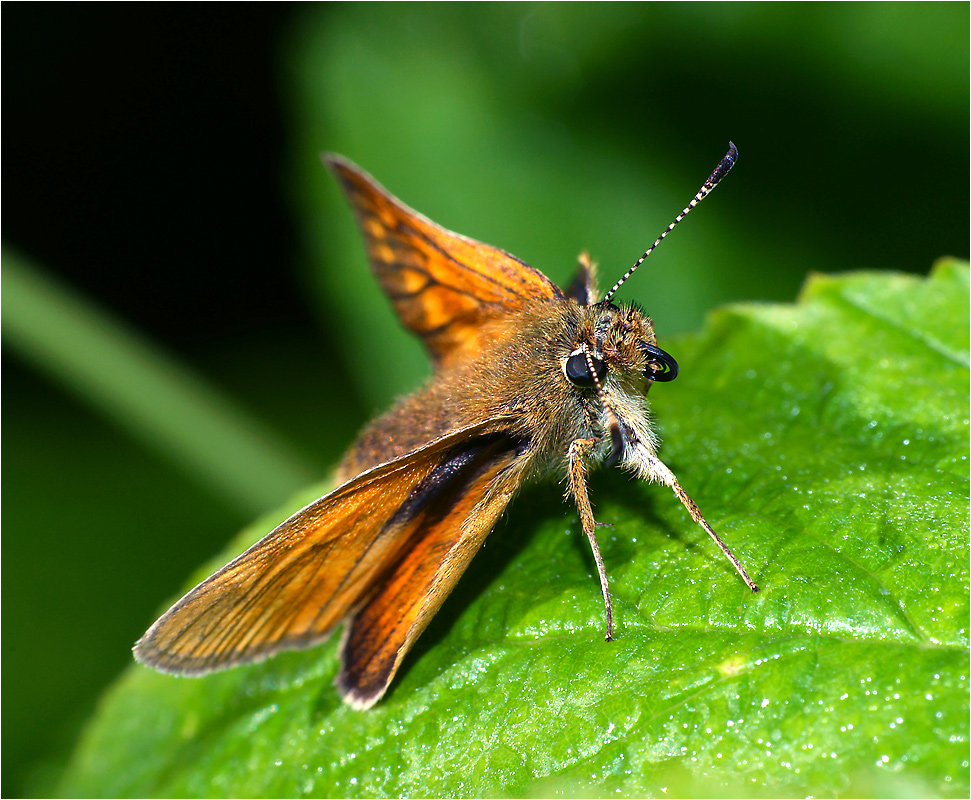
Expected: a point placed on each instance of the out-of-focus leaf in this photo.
(142, 389)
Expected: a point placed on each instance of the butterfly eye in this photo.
(578, 371)
(660, 366)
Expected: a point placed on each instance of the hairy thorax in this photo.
(515, 378)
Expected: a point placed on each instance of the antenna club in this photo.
(723, 168)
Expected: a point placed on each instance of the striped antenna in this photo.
(720, 172)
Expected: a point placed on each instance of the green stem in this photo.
(144, 390)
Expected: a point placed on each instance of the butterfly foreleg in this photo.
(577, 477)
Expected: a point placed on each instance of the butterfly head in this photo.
(620, 341)
(615, 346)
(610, 361)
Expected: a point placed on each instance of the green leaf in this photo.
(828, 444)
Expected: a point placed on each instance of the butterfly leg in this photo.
(578, 490)
(652, 468)
(697, 516)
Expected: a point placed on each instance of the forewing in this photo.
(292, 587)
(442, 285)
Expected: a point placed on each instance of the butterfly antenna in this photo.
(616, 439)
(720, 172)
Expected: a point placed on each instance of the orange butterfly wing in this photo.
(382, 631)
(442, 285)
(291, 588)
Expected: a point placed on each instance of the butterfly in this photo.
(529, 379)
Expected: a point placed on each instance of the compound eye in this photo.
(660, 366)
(578, 371)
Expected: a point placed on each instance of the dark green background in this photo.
(162, 161)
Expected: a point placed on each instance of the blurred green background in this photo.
(189, 330)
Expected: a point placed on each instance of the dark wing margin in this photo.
(382, 631)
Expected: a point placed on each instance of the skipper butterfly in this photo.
(529, 379)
